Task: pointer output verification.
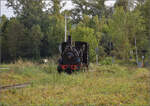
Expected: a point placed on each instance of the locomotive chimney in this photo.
(69, 41)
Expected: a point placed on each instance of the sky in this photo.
(9, 11)
(6, 11)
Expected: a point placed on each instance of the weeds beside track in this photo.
(104, 85)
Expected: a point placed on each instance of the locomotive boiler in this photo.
(74, 56)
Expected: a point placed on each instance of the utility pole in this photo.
(96, 59)
(0, 31)
(97, 50)
(65, 27)
(137, 61)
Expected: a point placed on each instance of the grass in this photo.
(105, 85)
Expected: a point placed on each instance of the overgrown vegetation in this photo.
(119, 32)
(101, 85)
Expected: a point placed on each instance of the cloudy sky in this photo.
(4, 10)
(9, 11)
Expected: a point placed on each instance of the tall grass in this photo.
(101, 85)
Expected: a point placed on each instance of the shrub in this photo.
(106, 61)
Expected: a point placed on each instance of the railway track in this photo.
(14, 86)
(4, 69)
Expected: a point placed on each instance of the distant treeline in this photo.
(36, 32)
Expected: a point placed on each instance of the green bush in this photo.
(106, 61)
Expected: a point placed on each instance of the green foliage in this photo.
(93, 8)
(136, 29)
(123, 3)
(36, 35)
(37, 31)
(119, 34)
(106, 61)
(86, 34)
(56, 7)
(3, 23)
(123, 29)
(56, 33)
(145, 11)
(33, 33)
(29, 7)
(13, 38)
(22, 42)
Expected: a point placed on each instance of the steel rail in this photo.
(15, 86)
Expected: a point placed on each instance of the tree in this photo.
(97, 26)
(53, 29)
(36, 35)
(123, 3)
(145, 12)
(119, 34)
(28, 11)
(3, 23)
(91, 8)
(136, 28)
(86, 34)
(94, 23)
(12, 39)
(56, 7)
(57, 32)
(126, 28)
(140, 2)
(3, 26)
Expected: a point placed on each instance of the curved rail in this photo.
(14, 86)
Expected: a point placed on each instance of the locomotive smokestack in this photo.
(69, 41)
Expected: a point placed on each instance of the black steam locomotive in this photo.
(74, 56)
